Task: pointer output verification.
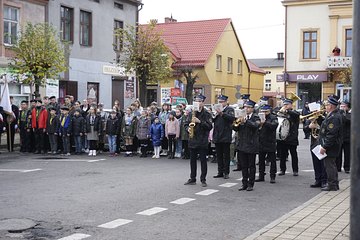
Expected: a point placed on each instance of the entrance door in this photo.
(67, 88)
(118, 92)
(344, 93)
(309, 92)
(151, 96)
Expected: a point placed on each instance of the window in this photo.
(85, 28)
(118, 40)
(310, 45)
(348, 42)
(11, 24)
(239, 67)
(268, 84)
(66, 23)
(230, 65)
(218, 62)
(218, 92)
(118, 5)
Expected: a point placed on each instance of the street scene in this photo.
(168, 119)
(68, 195)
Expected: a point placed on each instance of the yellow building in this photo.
(211, 50)
(315, 30)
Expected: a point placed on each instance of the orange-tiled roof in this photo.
(254, 68)
(192, 43)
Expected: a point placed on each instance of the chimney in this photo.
(280, 56)
(170, 20)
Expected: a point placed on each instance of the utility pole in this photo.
(355, 134)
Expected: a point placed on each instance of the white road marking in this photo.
(71, 160)
(152, 211)
(76, 236)
(228, 185)
(116, 223)
(207, 192)
(97, 160)
(20, 170)
(310, 170)
(239, 179)
(181, 201)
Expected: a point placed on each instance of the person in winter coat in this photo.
(128, 130)
(157, 135)
(52, 129)
(184, 134)
(112, 131)
(143, 132)
(172, 132)
(65, 129)
(78, 130)
(267, 140)
(93, 130)
(39, 116)
(179, 115)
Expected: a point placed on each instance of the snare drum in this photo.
(283, 129)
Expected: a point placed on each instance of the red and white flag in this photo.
(5, 99)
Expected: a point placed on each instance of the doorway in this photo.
(309, 92)
(118, 92)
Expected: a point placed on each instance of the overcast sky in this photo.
(258, 23)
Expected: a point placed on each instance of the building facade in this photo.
(88, 26)
(13, 15)
(273, 80)
(318, 48)
(212, 50)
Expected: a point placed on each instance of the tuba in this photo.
(294, 97)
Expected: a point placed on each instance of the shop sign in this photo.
(175, 92)
(308, 77)
(165, 95)
(114, 70)
(178, 100)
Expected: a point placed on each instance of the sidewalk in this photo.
(326, 216)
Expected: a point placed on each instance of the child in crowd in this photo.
(157, 135)
(112, 131)
(172, 131)
(142, 132)
(128, 130)
(93, 130)
(52, 128)
(78, 130)
(65, 129)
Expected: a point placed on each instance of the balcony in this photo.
(338, 62)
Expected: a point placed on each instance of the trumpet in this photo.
(313, 116)
(238, 121)
(192, 126)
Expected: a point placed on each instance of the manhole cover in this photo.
(16, 225)
(49, 158)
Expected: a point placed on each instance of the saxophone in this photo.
(192, 127)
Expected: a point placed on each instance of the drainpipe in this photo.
(355, 134)
(285, 59)
(137, 29)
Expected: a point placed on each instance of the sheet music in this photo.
(240, 113)
(317, 153)
(314, 106)
(196, 106)
(262, 117)
(218, 107)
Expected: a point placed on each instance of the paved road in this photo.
(73, 195)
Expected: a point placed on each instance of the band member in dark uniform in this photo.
(330, 140)
(198, 125)
(319, 168)
(222, 136)
(248, 144)
(24, 127)
(346, 118)
(291, 141)
(267, 140)
(244, 98)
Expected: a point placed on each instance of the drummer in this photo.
(291, 141)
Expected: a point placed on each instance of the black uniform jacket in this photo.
(267, 137)
(78, 125)
(331, 133)
(53, 127)
(346, 118)
(201, 130)
(223, 126)
(248, 135)
(294, 119)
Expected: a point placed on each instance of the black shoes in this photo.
(329, 188)
(295, 174)
(219, 176)
(316, 185)
(203, 184)
(190, 182)
(237, 169)
(260, 179)
(272, 180)
(226, 176)
(243, 188)
(281, 173)
(249, 188)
